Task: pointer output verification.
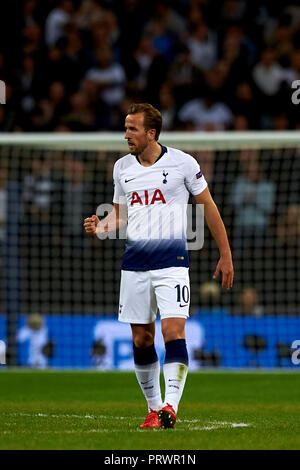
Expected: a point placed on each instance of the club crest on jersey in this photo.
(165, 177)
(138, 198)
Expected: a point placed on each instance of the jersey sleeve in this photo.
(194, 179)
(118, 191)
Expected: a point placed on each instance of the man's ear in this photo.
(152, 133)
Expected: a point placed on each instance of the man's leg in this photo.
(176, 360)
(139, 308)
(147, 367)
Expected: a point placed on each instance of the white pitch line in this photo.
(224, 425)
(239, 425)
(43, 415)
(212, 425)
(108, 431)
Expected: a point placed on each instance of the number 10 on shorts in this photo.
(183, 295)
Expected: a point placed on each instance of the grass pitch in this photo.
(101, 410)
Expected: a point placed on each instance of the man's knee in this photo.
(142, 338)
(173, 329)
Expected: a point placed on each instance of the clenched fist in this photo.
(90, 224)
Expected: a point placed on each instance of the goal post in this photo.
(114, 141)
(63, 281)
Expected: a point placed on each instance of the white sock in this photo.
(148, 377)
(175, 376)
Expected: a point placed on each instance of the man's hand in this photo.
(226, 267)
(90, 224)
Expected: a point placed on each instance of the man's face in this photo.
(137, 137)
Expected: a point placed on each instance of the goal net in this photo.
(60, 287)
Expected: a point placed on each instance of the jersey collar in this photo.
(163, 151)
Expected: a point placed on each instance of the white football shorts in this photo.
(143, 293)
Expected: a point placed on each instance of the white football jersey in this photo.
(156, 197)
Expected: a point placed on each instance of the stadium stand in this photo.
(73, 65)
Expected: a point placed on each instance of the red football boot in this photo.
(167, 416)
(151, 420)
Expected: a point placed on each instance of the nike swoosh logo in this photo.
(127, 181)
(174, 380)
(146, 382)
(183, 305)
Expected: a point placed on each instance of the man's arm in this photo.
(115, 220)
(218, 231)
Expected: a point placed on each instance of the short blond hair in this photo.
(152, 116)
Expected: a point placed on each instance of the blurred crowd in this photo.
(75, 65)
